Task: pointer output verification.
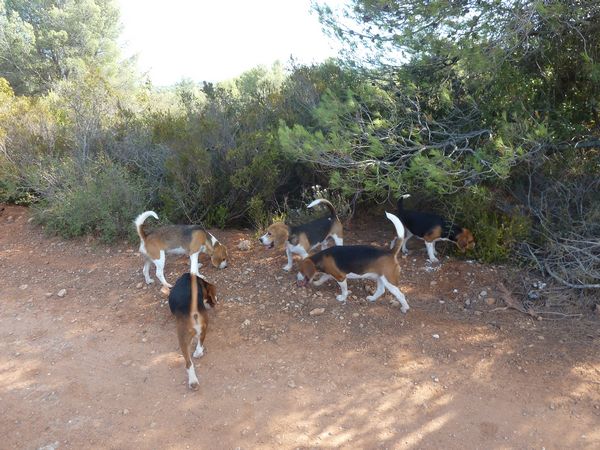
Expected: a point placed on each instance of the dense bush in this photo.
(100, 199)
(484, 113)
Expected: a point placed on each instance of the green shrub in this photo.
(11, 188)
(101, 199)
(496, 233)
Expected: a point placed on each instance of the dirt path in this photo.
(100, 367)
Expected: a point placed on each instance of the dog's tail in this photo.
(401, 202)
(399, 232)
(194, 301)
(327, 203)
(139, 222)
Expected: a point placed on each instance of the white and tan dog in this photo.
(358, 261)
(188, 240)
(303, 238)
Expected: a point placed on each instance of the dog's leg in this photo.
(379, 292)
(338, 240)
(324, 278)
(288, 252)
(324, 244)
(146, 271)
(195, 264)
(185, 343)
(199, 346)
(408, 236)
(160, 267)
(431, 251)
(396, 293)
(344, 286)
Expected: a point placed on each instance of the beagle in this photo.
(358, 261)
(432, 228)
(189, 305)
(178, 239)
(303, 238)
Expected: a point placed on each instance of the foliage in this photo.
(100, 199)
(484, 109)
(42, 42)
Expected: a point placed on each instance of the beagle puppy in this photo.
(432, 228)
(358, 261)
(303, 238)
(178, 239)
(189, 305)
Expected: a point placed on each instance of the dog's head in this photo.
(219, 256)
(307, 272)
(209, 293)
(465, 240)
(276, 235)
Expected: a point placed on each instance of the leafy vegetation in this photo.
(482, 110)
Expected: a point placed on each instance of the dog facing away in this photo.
(358, 261)
(189, 305)
(303, 238)
(190, 240)
(432, 228)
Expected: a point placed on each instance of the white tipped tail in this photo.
(320, 201)
(139, 222)
(399, 230)
(405, 196)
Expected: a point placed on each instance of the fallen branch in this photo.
(511, 303)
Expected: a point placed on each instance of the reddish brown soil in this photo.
(100, 367)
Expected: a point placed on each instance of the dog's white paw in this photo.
(194, 384)
(433, 260)
(341, 298)
(199, 352)
(405, 310)
(405, 251)
(287, 268)
(371, 298)
(149, 281)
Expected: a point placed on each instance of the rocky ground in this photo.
(89, 356)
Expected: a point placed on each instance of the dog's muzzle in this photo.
(263, 241)
(301, 280)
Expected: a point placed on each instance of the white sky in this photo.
(214, 40)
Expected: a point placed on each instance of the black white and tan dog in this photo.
(188, 240)
(189, 300)
(431, 228)
(358, 261)
(303, 238)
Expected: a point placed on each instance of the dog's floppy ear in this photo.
(279, 233)
(209, 292)
(465, 240)
(308, 269)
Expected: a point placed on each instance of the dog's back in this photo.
(356, 259)
(180, 297)
(419, 223)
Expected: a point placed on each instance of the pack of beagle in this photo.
(192, 295)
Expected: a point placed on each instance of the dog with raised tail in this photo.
(189, 301)
(188, 240)
(344, 263)
(431, 228)
(301, 239)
